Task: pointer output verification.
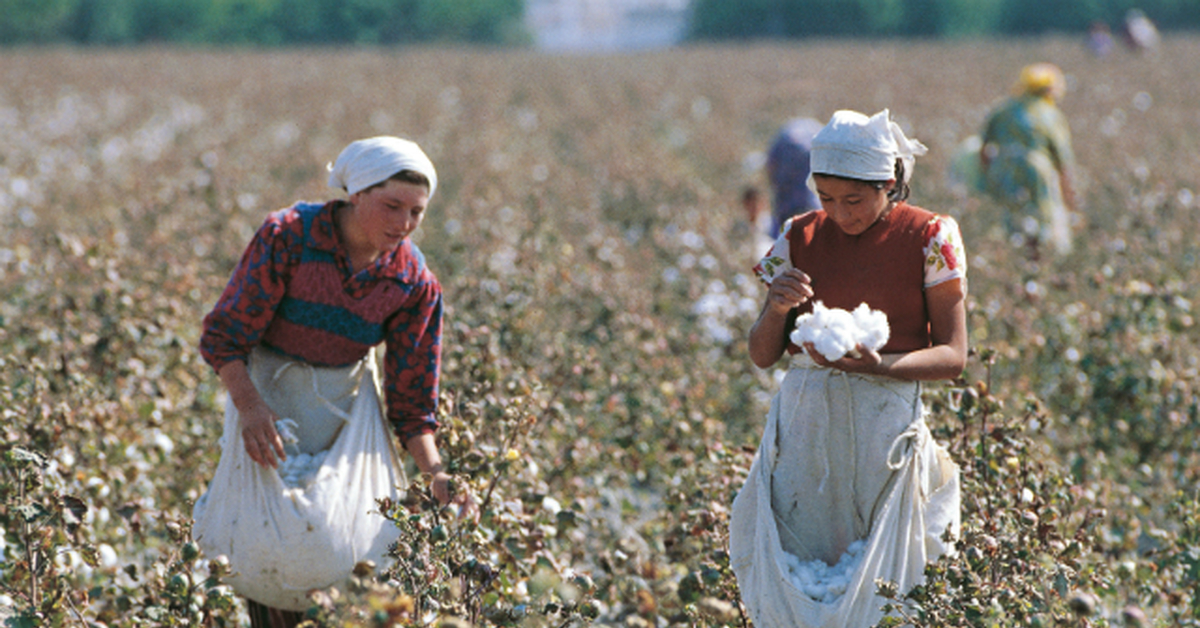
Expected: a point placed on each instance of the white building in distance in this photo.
(591, 26)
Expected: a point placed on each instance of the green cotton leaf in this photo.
(25, 619)
(30, 512)
(26, 458)
(566, 519)
(156, 613)
(1062, 586)
(1192, 562)
(73, 511)
(90, 555)
(128, 510)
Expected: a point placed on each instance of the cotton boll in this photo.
(816, 591)
(287, 431)
(300, 469)
(834, 343)
(287, 434)
(873, 326)
(821, 582)
(804, 329)
(108, 556)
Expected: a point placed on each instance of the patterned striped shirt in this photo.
(294, 292)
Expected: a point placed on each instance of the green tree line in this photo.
(302, 22)
(260, 22)
(749, 19)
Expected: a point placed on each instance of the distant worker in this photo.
(787, 170)
(1027, 161)
(754, 227)
(1099, 39)
(1141, 34)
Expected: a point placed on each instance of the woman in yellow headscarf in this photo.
(1027, 161)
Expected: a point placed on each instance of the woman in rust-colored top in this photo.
(848, 485)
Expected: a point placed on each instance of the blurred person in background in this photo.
(318, 288)
(787, 171)
(1099, 39)
(754, 223)
(1028, 164)
(846, 442)
(1141, 35)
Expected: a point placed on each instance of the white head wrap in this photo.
(366, 162)
(857, 147)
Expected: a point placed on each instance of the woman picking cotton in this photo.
(1028, 164)
(293, 339)
(846, 460)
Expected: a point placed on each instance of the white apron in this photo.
(282, 541)
(843, 458)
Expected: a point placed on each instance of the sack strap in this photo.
(905, 449)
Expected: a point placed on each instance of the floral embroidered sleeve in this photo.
(945, 258)
(777, 259)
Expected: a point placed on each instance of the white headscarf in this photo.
(366, 162)
(857, 147)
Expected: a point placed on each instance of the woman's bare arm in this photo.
(768, 337)
(947, 357)
(257, 420)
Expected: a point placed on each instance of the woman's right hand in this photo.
(262, 440)
(255, 417)
(789, 290)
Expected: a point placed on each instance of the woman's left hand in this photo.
(446, 494)
(868, 360)
(441, 487)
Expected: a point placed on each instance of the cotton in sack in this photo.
(288, 534)
(846, 463)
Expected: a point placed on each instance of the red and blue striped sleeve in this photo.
(412, 361)
(248, 304)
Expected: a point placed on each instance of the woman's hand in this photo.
(262, 440)
(867, 360)
(768, 336)
(789, 290)
(440, 484)
(446, 494)
(423, 449)
(255, 417)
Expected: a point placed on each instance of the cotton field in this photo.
(598, 401)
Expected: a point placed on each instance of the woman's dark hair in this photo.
(404, 176)
(900, 190)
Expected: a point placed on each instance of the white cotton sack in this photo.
(836, 332)
(284, 540)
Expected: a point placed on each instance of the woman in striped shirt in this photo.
(321, 285)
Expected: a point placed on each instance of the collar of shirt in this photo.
(405, 263)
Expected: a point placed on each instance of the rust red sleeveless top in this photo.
(883, 267)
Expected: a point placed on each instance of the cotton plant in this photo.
(837, 333)
(720, 305)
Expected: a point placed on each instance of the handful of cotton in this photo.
(836, 332)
